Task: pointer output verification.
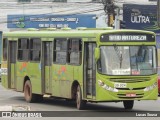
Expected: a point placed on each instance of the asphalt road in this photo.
(63, 108)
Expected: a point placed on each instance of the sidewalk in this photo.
(14, 108)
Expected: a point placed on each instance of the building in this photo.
(51, 7)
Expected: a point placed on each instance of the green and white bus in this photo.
(86, 65)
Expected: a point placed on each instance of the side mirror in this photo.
(97, 53)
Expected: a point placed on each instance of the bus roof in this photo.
(65, 33)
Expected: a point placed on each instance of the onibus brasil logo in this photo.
(20, 22)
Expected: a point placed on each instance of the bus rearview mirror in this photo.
(97, 53)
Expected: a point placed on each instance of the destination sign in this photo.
(127, 37)
(124, 37)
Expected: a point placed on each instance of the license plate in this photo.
(130, 95)
(120, 85)
(135, 72)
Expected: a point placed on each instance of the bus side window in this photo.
(60, 50)
(5, 49)
(35, 49)
(75, 51)
(23, 49)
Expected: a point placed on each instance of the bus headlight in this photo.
(151, 87)
(106, 87)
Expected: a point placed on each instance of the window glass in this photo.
(127, 60)
(5, 49)
(60, 50)
(74, 51)
(61, 45)
(35, 49)
(23, 43)
(23, 49)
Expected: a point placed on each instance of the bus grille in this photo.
(141, 88)
(129, 80)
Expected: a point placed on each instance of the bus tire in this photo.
(79, 102)
(128, 104)
(29, 96)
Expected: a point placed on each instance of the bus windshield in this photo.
(127, 60)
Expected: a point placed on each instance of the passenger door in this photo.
(12, 53)
(89, 70)
(47, 66)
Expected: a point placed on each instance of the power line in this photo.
(83, 8)
(47, 5)
(81, 12)
(78, 8)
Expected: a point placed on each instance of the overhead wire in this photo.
(70, 11)
(74, 13)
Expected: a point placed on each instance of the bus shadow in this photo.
(96, 107)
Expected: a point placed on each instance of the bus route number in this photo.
(120, 85)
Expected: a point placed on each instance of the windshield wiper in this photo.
(119, 54)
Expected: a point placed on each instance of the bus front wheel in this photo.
(128, 104)
(29, 96)
(80, 103)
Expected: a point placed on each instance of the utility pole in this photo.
(117, 21)
(109, 9)
(158, 13)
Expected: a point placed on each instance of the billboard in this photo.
(142, 17)
(53, 21)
